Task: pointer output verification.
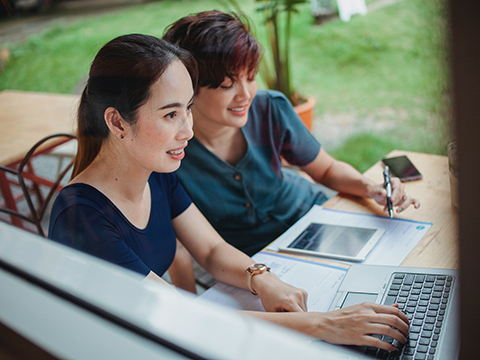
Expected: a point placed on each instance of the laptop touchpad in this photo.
(354, 298)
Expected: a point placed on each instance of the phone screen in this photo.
(402, 167)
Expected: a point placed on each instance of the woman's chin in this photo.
(170, 168)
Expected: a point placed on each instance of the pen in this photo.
(388, 187)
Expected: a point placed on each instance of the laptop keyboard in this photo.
(424, 299)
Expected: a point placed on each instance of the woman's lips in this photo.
(177, 154)
(239, 110)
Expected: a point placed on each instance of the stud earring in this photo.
(121, 136)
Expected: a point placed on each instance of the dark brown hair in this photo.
(221, 43)
(121, 76)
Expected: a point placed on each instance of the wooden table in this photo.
(26, 117)
(439, 247)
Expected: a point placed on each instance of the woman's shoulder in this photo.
(80, 194)
(80, 204)
(168, 187)
(271, 107)
(268, 96)
(271, 103)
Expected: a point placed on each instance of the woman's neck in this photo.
(226, 142)
(214, 135)
(113, 175)
(122, 180)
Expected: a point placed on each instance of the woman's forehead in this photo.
(173, 86)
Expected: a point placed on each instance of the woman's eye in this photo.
(252, 76)
(171, 115)
(189, 107)
(227, 84)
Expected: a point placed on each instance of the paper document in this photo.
(399, 239)
(320, 280)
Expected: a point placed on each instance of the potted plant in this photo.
(275, 68)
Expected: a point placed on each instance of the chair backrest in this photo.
(32, 182)
(10, 207)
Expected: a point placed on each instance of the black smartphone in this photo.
(402, 167)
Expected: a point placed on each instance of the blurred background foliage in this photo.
(380, 80)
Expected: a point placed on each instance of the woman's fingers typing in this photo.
(356, 325)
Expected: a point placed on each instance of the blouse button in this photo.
(248, 204)
(237, 176)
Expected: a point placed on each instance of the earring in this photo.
(121, 136)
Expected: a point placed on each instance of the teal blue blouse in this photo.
(254, 202)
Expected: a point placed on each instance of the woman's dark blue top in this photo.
(85, 219)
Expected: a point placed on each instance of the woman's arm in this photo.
(344, 178)
(227, 264)
(352, 325)
(285, 304)
(181, 271)
(152, 276)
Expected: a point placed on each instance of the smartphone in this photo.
(402, 167)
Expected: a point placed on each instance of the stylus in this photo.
(388, 187)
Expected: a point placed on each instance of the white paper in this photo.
(400, 237)
(321, 282)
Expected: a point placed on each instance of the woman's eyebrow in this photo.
(175, 104)
(171, 105)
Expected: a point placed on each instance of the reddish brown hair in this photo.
(221, 43)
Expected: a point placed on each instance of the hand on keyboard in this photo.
(424, 299)
(354, 325)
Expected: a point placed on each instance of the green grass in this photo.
(391, 61)
(393, 58)
(57, 59)
(372, 147)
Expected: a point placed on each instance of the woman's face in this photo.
(158, 139)
(228, 104)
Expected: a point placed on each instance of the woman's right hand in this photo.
(355, 324)
(279, 296)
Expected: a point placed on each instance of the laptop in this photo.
(429, 297)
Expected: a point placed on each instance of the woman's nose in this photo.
(186, 131)
(244, 92)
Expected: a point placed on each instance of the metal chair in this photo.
(23, 175)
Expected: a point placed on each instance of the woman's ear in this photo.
(115, 122)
